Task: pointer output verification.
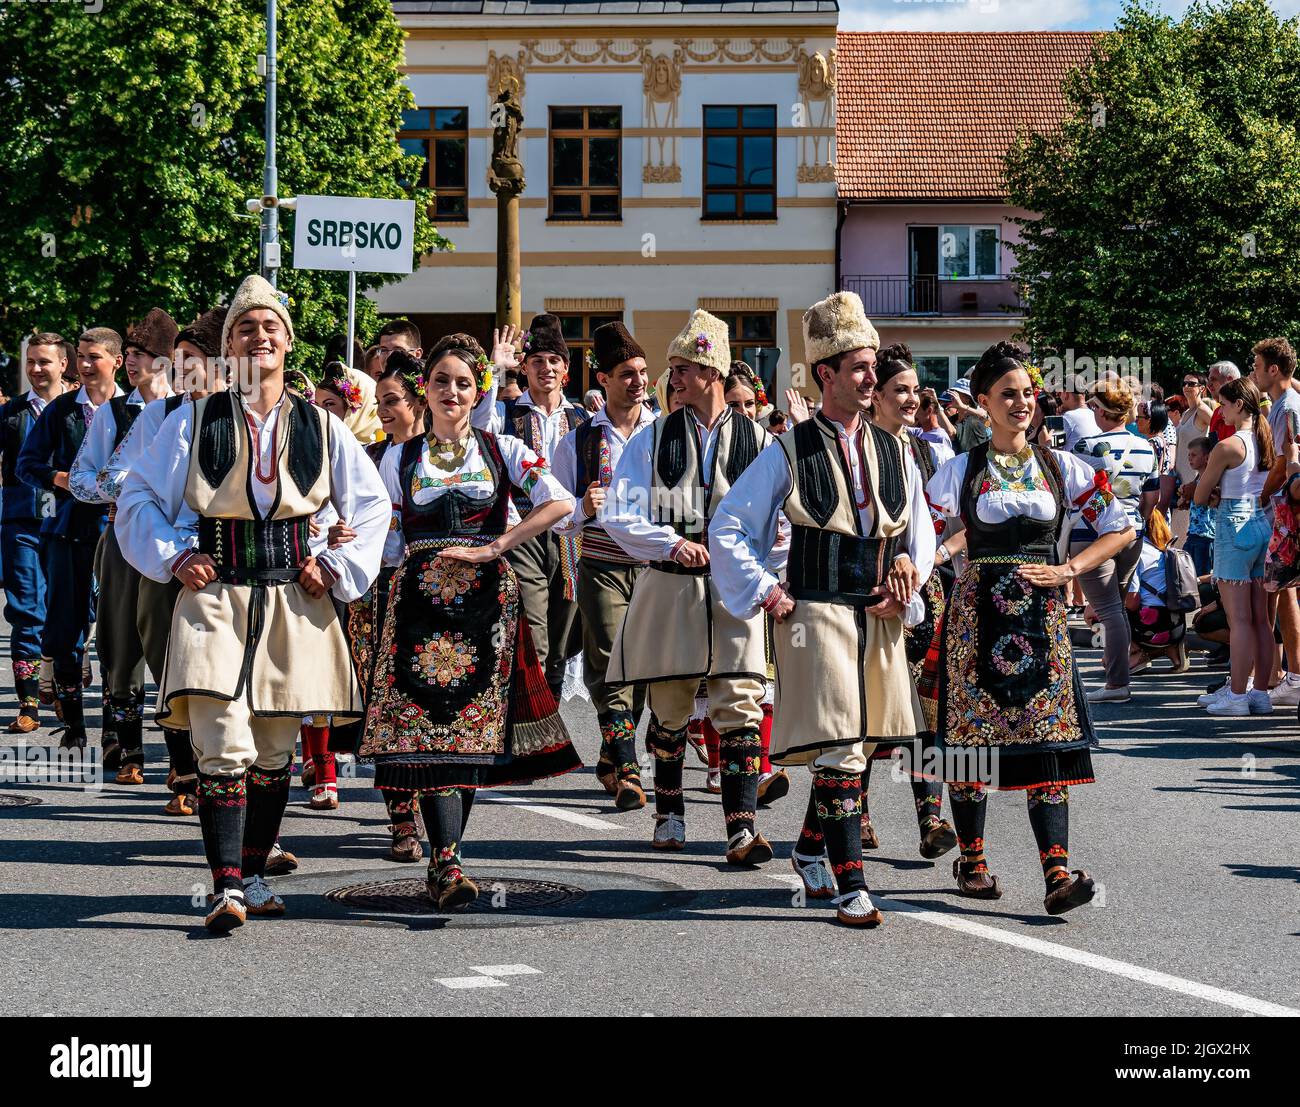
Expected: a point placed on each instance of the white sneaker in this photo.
(261, 900)
(1231, 705)
(1262, 703)
(1286, 694)
(670, 832)
(1109, 695)
(1215, 696)
(815, 873)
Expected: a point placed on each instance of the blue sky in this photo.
(999, 15)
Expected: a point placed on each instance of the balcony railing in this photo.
(885, 296)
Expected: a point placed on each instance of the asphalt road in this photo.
(1190, 830)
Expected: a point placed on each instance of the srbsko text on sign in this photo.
(354, 232)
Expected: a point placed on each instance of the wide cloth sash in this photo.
(838, 568)
(263, 551)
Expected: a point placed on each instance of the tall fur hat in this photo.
(705, 341)
(836, 324)
(155, 334)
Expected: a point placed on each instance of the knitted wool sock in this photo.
(928, 797)
(181, 755)
(839, 810)
(866, 785)
(315, 744)
(811, 841)
(969, 811)
(222, 811)
(401, 813)
(444, 814)
(1049, 815)
(128, 724)
(741, 753)
(765, 738)
(268, 792)
(27, 687)
(618, 744)
(467, 796)
(669, 750)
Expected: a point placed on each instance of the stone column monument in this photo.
(506, 179)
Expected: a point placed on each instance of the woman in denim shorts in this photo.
(1238, 467)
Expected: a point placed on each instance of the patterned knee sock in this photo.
(128, 725)
(618, 744)
(315, 744)
(928, 797)
(839, 810)
(668, 748)
(401, 813)
(765, 738)
(71, 705)
(969, 810)
(444, 814)
(811, 842)
(741, 753)
(222, 810)
(1049, 815)
(866, 787)
(268, 792)
(27, 686)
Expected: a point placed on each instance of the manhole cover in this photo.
(411, 897)
(7, 800)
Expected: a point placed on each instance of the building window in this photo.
(586, 163)
(750, 331)
(740, 162)
(955, 252)
(934, 372)
(441, 137)
(577, 328)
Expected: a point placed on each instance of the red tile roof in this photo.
(925, 115)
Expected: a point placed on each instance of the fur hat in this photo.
(256, 292)
(705, 341)
(205, 332)
(836, 324)
(155, 334)
(612, 345)
(544, 336)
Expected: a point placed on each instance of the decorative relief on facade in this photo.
(760, 49)
(817, 108)
(502, 67)
(557, 51)
(661, 84)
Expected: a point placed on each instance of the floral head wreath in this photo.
(351, 393)
(1035, 377)
(592, 363)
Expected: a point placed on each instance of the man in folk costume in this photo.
(148, 356)
(197, 368)
(585, 464)
(666, 489)
(256, 644)
(862, 543)
(546, 564)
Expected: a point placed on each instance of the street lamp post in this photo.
(270, 244)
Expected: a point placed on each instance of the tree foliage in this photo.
(131, 138)
(1170, 199)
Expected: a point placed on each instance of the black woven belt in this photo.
(825, 567)
(250, 551)
(680, 569)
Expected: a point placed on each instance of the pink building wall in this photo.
(874, 236)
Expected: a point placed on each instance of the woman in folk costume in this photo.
(666, 489)
(862, 543)
(225, 504)
(350, 396)
(1011, 711)
(897, 400)
(458, 699)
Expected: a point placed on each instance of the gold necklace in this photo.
(1012, 463)
(447, 457)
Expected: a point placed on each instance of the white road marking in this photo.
(1192, 988)
(561, 813)
(471, 982)
(505, 970)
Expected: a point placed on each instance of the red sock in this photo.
(712, 745)
(765, 737)
(315, 744)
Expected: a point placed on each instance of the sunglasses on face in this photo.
(1192, 384)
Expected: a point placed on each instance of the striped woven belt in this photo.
(247, 550)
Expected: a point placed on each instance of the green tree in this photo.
(130, 139)
(1170, 199)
